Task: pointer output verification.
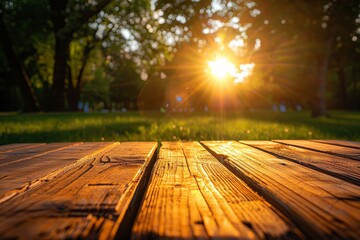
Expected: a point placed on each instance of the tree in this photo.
(293, 44)
(296, 40)
(127, 26)
(312, 28)
(346, 55)
(126, 86)
(19, 73)
(68, 47)
(66, 21)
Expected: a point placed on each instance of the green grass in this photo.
(131, 126)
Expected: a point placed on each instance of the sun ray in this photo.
(221, 68)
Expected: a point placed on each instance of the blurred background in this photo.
(181, 57)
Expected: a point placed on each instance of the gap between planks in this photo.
(341, 143)
(202, 181)
(95, 196)
(18, 146)
(30, 171)
(340, 167)
(192, 195)
(321, 205)
(341, 151)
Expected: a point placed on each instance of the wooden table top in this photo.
(214, 189)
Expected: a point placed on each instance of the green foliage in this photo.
(120, 30)
(97, 90)
(298, 47)
(304, 44)
(30, 32)
(130, 126)
(126, 85)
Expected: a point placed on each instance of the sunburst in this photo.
(221, 68)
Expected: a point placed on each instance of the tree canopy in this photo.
(58, 54)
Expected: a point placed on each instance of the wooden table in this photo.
(225, 189)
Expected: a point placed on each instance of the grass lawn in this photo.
(132, 126)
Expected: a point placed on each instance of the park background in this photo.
(110, 70)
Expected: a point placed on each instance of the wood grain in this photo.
(192, 195)
(18, 146)
(344, 168)
(31, 152)
(340, 143)
(83, 200)
(323, 206)
(253, 190)
(17, 176)
(322, 147)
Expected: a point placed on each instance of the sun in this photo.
(221, 68)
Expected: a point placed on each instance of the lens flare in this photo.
(220, 68)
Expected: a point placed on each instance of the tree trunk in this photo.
(319, 101)
(62, 48)
(343, 87)
(63, 32)
(73, 95)
(74, 92)
(30, 103)
(73, 99)
(356, 102)
(58, 91)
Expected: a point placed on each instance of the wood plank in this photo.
(323, 206)
(32, 152)
(18, 176)
(18, 146)
(344, 168)
(83, 201)
(340, 143)
(192, 195)
(322, 147)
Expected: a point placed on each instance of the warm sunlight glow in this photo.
(221, 68)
